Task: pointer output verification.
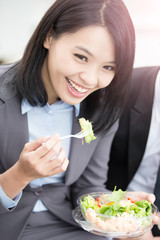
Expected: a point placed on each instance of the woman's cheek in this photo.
(106, 82)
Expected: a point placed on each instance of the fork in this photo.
(78, 135)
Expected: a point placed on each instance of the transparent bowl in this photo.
(120, 227)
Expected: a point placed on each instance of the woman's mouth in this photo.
(75, 89)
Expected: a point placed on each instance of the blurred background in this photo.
(18, 19)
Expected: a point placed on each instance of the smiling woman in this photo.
(120, 34)
(77, 63)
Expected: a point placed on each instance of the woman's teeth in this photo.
(76, 87)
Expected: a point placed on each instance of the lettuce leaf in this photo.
(88, 202)
(112, 210)
(86, 126)
(116, 196)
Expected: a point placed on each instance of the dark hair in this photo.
(68, 16)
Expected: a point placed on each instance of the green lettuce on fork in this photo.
(86, 127)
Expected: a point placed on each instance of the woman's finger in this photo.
(57, 164)
(52, 144)
(137, 196)
(32, 146)
(58, 161)
(156, 220)
(61, 168)
(52, 153)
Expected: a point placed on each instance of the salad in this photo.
(116, 212)
(86, 127)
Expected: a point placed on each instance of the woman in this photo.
(77, 64)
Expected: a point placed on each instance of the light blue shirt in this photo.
(44, 121)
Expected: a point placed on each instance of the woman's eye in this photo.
(109, 68)
(81, 57)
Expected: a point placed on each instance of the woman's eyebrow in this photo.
(88, 52)
(85, 50)
(112, 62)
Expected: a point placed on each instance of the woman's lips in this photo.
(75, 89)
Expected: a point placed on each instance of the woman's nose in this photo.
(90, 77)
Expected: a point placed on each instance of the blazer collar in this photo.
(14, 132)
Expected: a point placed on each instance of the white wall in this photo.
(18, 19)
(146, 18)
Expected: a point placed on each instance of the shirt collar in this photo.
(25, 107)
(77, 109)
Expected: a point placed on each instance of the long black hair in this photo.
(103, 106)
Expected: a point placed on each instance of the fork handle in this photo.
(67, 136)
(61, 138)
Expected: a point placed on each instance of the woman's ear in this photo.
(48, 40)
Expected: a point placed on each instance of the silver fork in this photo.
(78, 135)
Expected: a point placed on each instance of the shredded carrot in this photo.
(98, 202)
(131, 200)
(110, 203)
(82, 141)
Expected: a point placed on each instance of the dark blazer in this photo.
(130, 140)
(87, 170)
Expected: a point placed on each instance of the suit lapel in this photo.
(14, 127)
(15, 132)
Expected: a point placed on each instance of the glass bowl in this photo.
(112, 226)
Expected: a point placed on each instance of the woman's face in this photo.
(78, 64)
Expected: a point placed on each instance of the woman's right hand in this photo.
(34, 162)
(35, 159)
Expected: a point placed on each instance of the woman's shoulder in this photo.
(7, 86)
(5, 68)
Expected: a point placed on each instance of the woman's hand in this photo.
(34, 162)
(35, 159)
(146, 236)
